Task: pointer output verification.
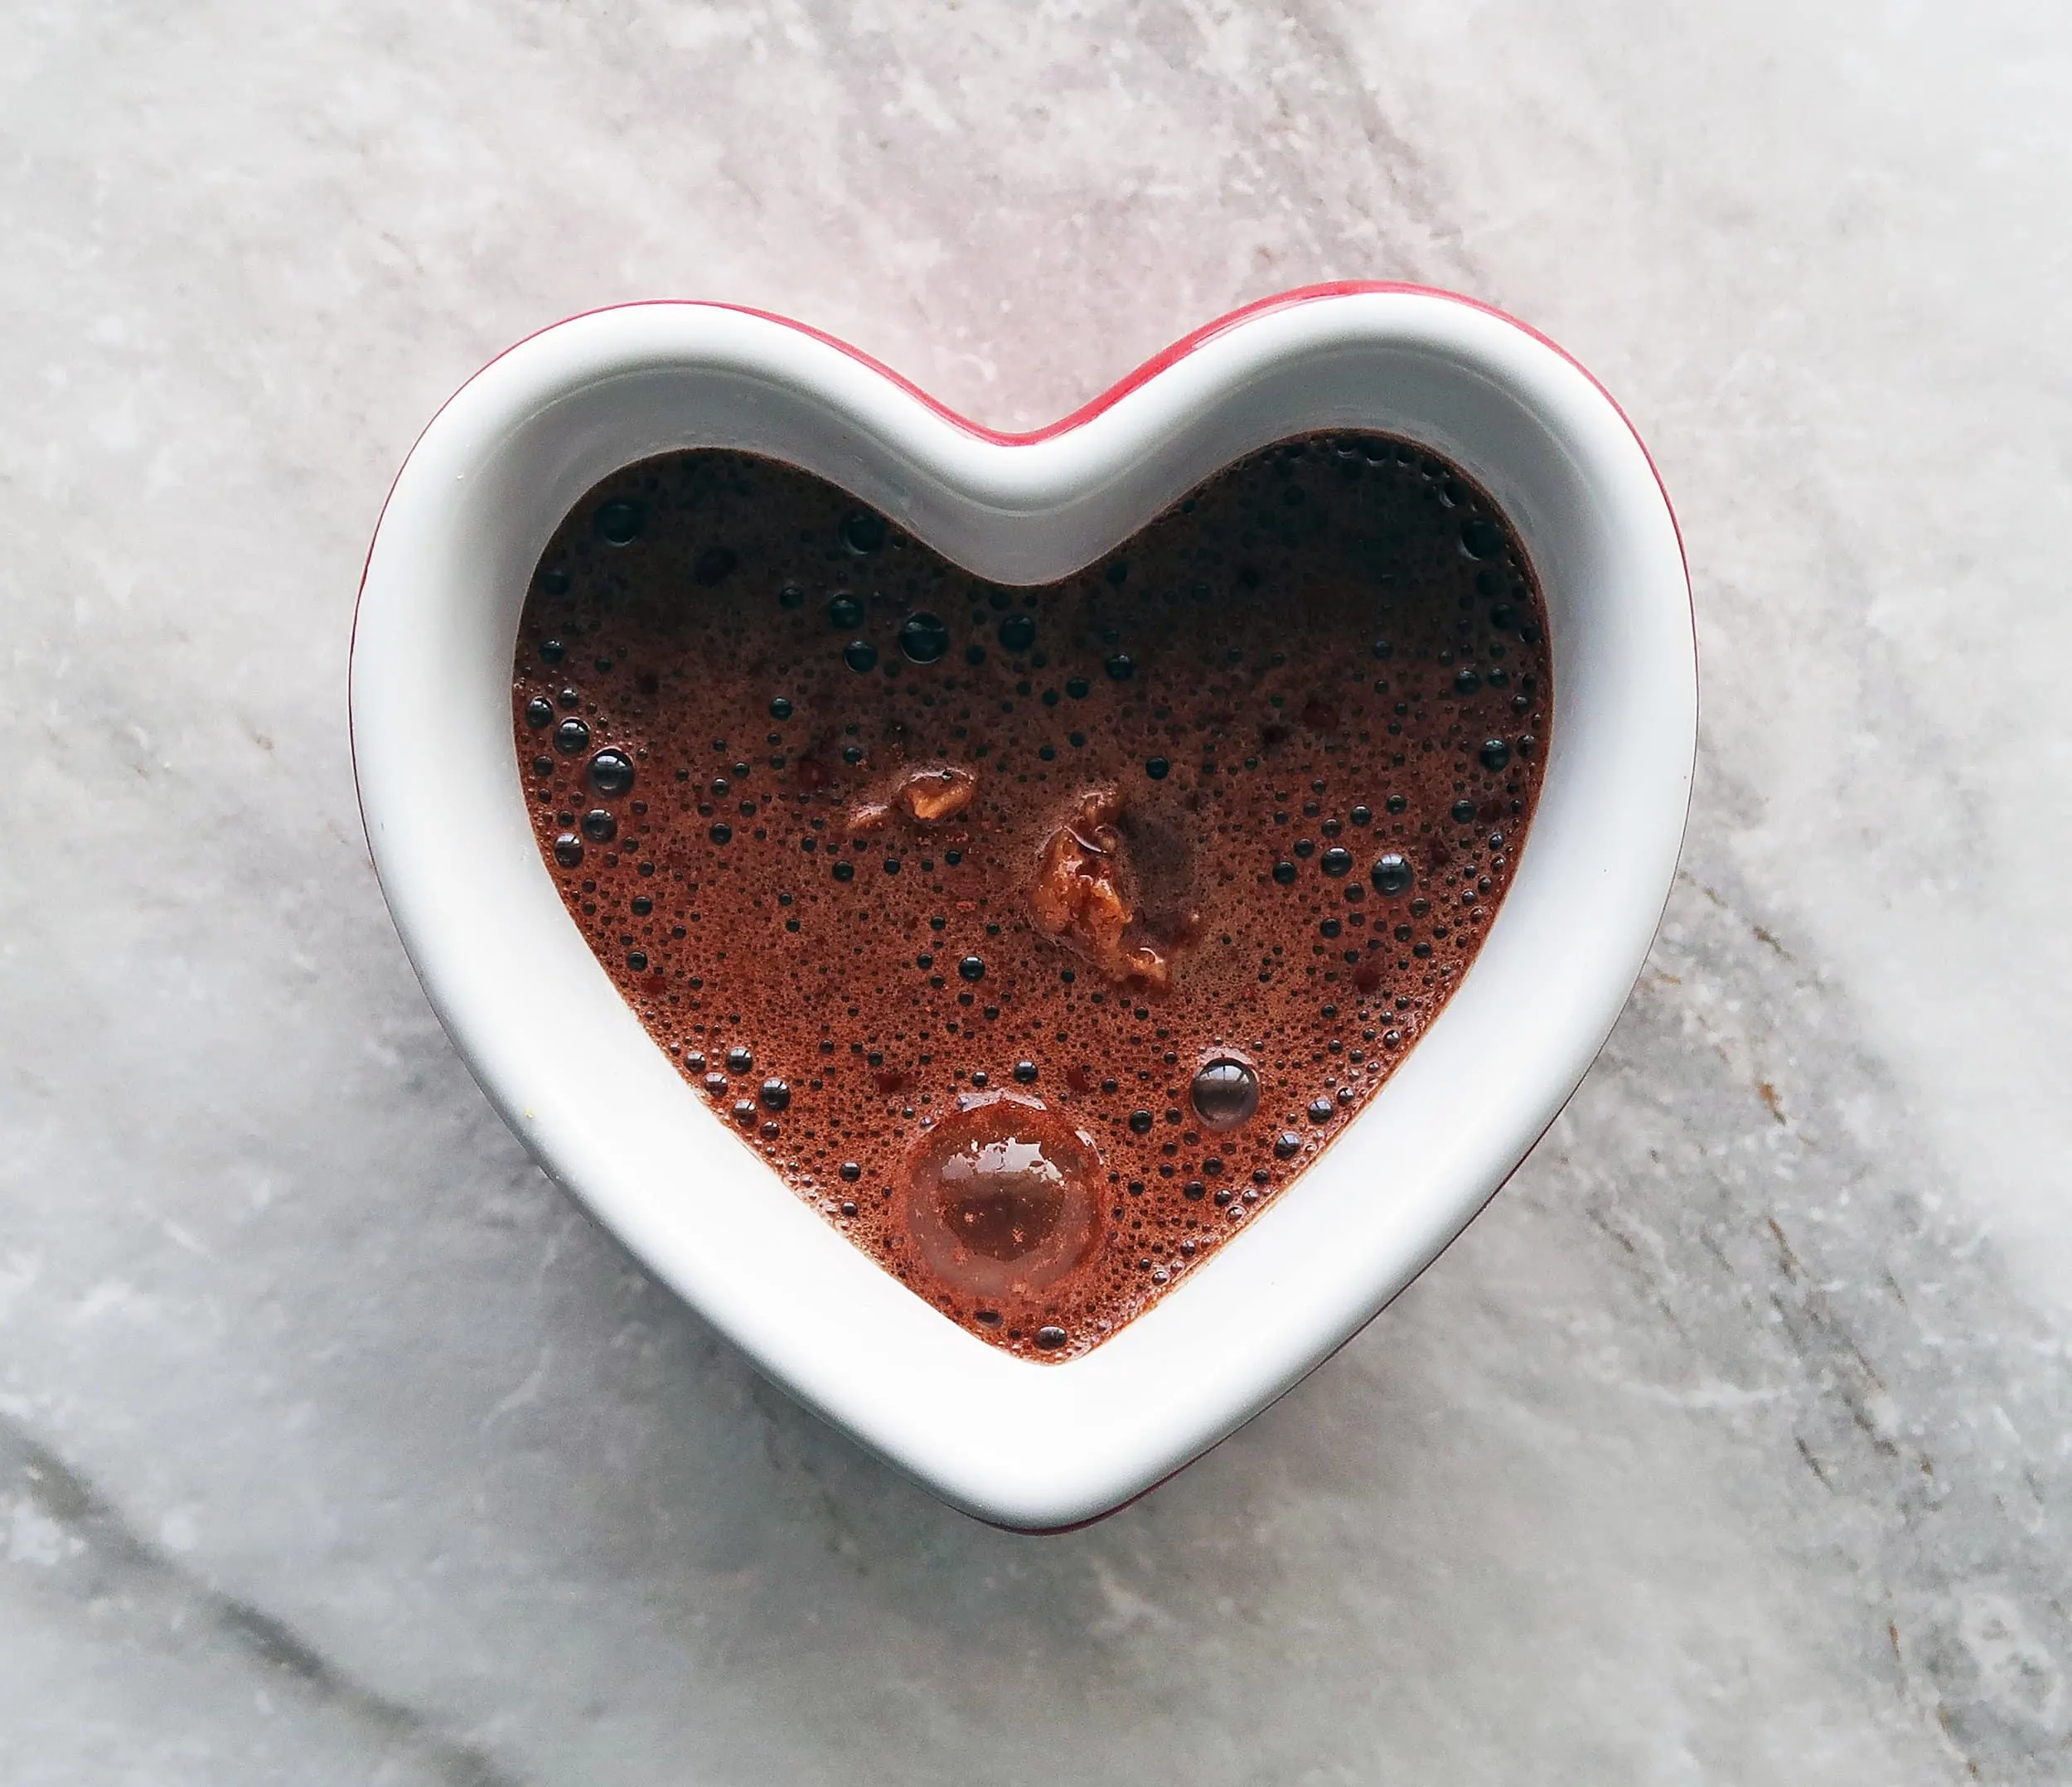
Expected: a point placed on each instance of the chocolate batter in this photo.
(1038, 938)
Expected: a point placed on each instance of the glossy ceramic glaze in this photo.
(572, 1070)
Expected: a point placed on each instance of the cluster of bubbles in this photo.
(1338, 809)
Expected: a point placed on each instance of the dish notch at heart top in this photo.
(1024, 1445)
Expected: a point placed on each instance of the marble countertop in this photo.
(1731, 1444)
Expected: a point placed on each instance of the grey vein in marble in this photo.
(142, 1598)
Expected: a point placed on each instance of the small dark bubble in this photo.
(1120, 667)
(1140, 1123)
(642, 905)
(610, 771)
(844, 612)
(862, 532)
(1305, 848)
(539, 712)
(1336, 861)
(1051, 1339)
(851, 1171)
(1050, 698)
(1383, 649)
(722, 833)
(1464, 812)
(744, 1112)
(599, 827)
(1496, 754)
(1078, 688)
(1193, 1190)
(570, 736)
(739, 1059)
(776, 1095)
(1503, 618)
(852, 753)
(1284, 872)
(543, 766)
(1157, 768)
(1017, 632)
(845, 871)
(1396, 803)
(923, 638)
(791, 596)
(553, 651)
(1025, 1071)
(636, 959)
(892, 866)
(619, 522)
(1286, 1145)
(780, 708)
(555, 582)
(1481, 538)
(569, 697)
(567, 851)
(1319, 1110)
(1225, 1093)
(1465, 681)
(860, 655)
(1363, 816)
(1390, 875)
(971, 968)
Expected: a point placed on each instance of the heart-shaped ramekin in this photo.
(1022, 1444)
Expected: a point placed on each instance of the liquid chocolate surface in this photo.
(1038, 938)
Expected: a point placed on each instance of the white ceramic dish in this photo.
(1020, 1443)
